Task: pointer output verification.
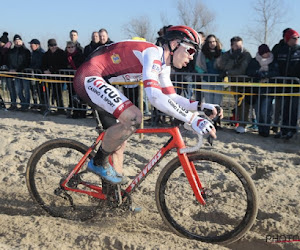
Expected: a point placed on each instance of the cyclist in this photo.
(132, 61)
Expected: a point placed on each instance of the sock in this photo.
(102, 158)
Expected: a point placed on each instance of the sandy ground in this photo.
(273, 165)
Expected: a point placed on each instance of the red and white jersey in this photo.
(131, 61)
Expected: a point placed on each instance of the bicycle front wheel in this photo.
(47, 168)
(230, 195)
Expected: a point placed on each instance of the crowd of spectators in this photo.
(282, 61)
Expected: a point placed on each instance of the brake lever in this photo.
(209, 112)
(210, 140)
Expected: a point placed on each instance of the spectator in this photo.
(54, 60)
(278, 99)
(206, 63)
(104, 39)
(36, 64)
(288, 58)
(94, 44)
(234, 62)
(202, 37)
(262, 67)
(74, 39)
(5, 45)
(4, 48)
(280, 44)
(75, 58)
(18, 60)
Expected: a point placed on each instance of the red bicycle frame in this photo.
(176, 141)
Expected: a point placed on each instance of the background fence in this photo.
(273, 102)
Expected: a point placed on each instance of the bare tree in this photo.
(268, 15)
(140, 27)
(195, 14)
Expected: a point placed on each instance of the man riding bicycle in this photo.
(129, 61)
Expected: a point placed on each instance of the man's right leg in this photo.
(110, 99)
(112, 144)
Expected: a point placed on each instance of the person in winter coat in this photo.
(234, 62)
(206, 64)
(262, 67)
(75, 58)
(53, 60)
(18, 60)
(94, 44)
(5, 45)
(36, 64)
(288, 58)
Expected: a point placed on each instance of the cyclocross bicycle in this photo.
(201, 195)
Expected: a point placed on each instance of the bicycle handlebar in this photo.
(194, 148)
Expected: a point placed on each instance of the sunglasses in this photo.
(188, 49)
(52, 45)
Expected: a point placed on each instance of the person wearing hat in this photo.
(278, 102)
(18, 60)
(261, 68)
(289, 66)
(279, 44)
(53, 60)
(36, 54)
(36, 63)
(5, 45)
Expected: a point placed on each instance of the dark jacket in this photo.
(18, 58)
(54, 61)
(90, 48)
(288, 59)
(108, 42)
(276, 48)
(253, 70)
(36, 58)
(4, 53)
(254, 66)
(234, 64)
(75, 59)
(79, 47)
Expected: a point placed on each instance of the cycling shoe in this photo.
(109, 174)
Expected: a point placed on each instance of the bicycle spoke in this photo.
(228, 210)
(48, 169)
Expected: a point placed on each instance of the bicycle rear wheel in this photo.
(48, 166)
(230, 195)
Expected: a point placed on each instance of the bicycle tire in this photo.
(231, 199)
(47, 167)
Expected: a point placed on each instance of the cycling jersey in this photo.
(130, 61)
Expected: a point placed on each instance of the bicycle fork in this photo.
(193, 178)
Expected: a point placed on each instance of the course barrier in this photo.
(273, 102)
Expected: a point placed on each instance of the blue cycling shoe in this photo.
(108, 174)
